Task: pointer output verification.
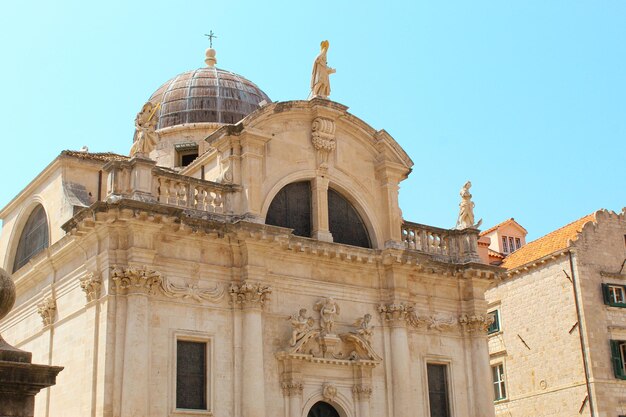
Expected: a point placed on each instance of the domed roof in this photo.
(205, 95)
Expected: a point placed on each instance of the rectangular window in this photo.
(191, 375)
(618, 357)
(505, 246)
(438, 390)
(497, 374)
(614, 295)
(511, 245)
(518, 243)
(495, 326)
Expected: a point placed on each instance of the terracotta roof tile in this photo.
(96, 156)
(545, 245)
(495, 254)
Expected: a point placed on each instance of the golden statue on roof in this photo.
(320, 77)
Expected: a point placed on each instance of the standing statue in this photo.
(320, 80)
(145, 130)
(301, 325)
(328, 309)
(466, 209)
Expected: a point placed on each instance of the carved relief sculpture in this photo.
(301, 325)
(328, 310)
(320, 77)
(476, 322)
(91, 284)
(136, 280)
(323, 138)
(364, 328)
(145, 130)
(47, 310)
(248, 294)
(466, 209)
(329, 392)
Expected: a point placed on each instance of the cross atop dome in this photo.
(210, 52)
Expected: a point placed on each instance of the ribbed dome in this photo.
(206, 95)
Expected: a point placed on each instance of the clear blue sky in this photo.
(527, 99)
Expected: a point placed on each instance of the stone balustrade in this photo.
(140, 179)
(446, 244)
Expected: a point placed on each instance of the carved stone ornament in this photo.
(136, 280)
(91, 284)
(321, 345)
(440, 322)
(148, 281)
(320, 76)
(329, 392)
(362, 392)
(323, 138)
(47, 310)
(395, 313)
(248, 294)
(145, 130)
(476, 323)
(292, 388)
(466, 209)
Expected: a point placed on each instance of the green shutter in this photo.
(616, 358)
(605, 292)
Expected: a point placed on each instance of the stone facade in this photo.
(165, 256)
(555, 327)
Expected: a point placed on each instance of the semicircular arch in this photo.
(18, 229)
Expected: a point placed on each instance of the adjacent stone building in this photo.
(558, 344)
(249, 260)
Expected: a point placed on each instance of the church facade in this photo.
(249, 259)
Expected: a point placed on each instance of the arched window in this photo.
(344, 222)
(322, 409)
(292, 208)
(34, 238)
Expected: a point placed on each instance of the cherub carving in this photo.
(301, 325)
(328, 309)
(364, 328)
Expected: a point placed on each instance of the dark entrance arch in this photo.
(322, 409)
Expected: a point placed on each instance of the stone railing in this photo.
(182, 191)
(449, 244)
(140, 179)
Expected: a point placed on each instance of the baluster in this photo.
(209, 201)
(218, 202)
(182, 193)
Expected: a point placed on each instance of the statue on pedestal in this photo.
(145, 130)
(328, 309)
(466, 209)
(320, 80)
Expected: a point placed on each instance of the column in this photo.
(362, 394)
(251, 298)
(319, 203)
(293, 391)
(136, 284)
(395, 316)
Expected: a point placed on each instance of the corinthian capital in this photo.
(395, 313)
(133, 280)
(249, 295)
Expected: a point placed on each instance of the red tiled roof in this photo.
(491, 229)
(545, 245)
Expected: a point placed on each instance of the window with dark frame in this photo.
(614, 295)
(191, 375)
(34, 237)
(499, 389)
(505, 246)
(438, 390)
(495, 326)
(518, 243)
(511, 245)
(291, 207)
(618, 358)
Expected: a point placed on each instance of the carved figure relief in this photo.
(301, 325)
(329, 392)
(328, 310)
(364, 328)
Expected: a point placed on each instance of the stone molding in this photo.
(292, 388)
(249, 294)
(47, 310)
(144, 280)
(91, 284)
(362, 392)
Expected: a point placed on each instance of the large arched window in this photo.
(322, 409)
(344, 222)
(34, 238)
(292, 208)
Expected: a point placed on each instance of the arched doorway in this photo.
(322, 409)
